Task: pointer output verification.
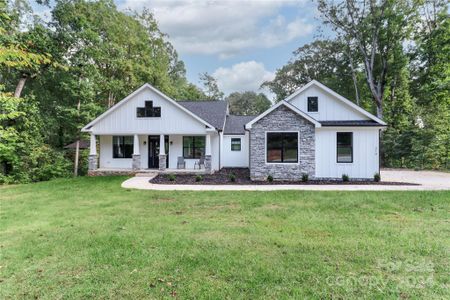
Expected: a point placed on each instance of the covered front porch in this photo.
(162, 153)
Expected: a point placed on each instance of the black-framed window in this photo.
(236, 144)
(122, 146)
(149, 111)
(193, 146)
(313, 104)
(344, 147)
(282, 147)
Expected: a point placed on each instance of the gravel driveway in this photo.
(428, 180)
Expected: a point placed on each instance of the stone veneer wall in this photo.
(282, 119)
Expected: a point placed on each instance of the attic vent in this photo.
(148, 111)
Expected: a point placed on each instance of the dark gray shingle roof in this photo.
(235, 124)
(350, 123)
(213, 112)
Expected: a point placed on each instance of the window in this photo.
(236, 144)
(193, 146)
(345, 147)
(122, 146)
(313, 104)
(282, 147)
(148, 111)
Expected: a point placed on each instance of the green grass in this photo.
(89, 238)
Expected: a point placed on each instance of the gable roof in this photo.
(130, 96)
(337, 96)
(213, 112)
(350, 123)
(288, 105)
(236, 124)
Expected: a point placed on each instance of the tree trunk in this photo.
(379, 111)
(77, 146)
(20, 85)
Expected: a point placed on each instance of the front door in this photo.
(153, 151)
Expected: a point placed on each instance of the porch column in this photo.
(208, 162)
(162, 153)
(92, 154)
(136, 154)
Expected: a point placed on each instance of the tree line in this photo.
(390, 57)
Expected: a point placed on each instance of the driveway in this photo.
(428, 180)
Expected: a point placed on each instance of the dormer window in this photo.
(313, 104)
(149, 111)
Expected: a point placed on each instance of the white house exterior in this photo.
(314, 131)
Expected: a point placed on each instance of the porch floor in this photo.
(141, 172)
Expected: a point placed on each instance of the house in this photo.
(314, 131)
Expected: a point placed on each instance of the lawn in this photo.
(89, 238)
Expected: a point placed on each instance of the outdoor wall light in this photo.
(145, 142)
(171, 142)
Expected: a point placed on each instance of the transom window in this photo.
(236, 144)
(282, 147)
(149, 111)
(345, 147)
(313, 104)
(193, 146)
(122, 146)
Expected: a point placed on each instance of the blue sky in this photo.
(241, 43)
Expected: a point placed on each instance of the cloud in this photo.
(225, 28)
(244, 76)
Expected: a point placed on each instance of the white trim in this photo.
(339, 97)
(281, 163)
(123, 101)
(288, 105)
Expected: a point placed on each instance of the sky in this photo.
(241, 43)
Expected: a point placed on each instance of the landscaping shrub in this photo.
(198, 178)
(345, 178)
(376, 177)
(171, 177)
(232, 177)
(269, 178)
(305, 177)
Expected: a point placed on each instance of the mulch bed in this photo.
(242, 176)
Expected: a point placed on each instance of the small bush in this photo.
(198, 178)
(377, 177)
(270, 178)
(172, 177)
(232, 177)
(305, 177)
(345, 178)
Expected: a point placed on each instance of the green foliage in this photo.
(345, 178)
(248, 103)
(270, 178)
(232, 177)
(376, 177)
(172, 177)
(305, 177)
(198, 178)
(210, 87)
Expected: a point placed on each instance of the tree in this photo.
(373, 28)
(210, 87)
(248, 103)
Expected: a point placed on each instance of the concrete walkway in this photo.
(428, 180)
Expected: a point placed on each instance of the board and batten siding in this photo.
(330, 108)
(365, 153)
(173, 120)
(238, 159)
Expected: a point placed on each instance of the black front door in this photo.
(153, 151)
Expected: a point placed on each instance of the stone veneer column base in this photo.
(162, 162)
(208, 164)
(136, 162)
(92, 159)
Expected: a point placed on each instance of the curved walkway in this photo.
(428, 180)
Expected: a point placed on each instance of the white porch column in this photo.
(162, 153)
(136, 164)
(92, 159)
(208, 161)
(93, 145)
